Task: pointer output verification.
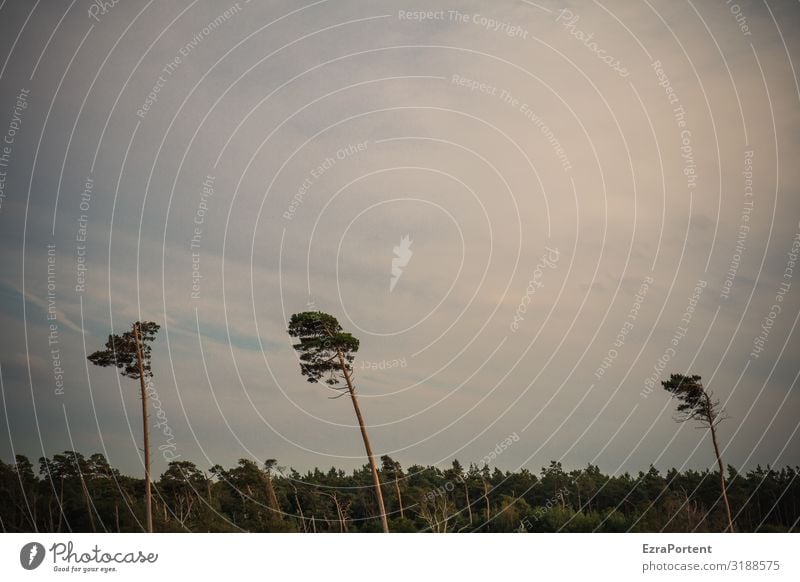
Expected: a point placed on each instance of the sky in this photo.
(529, 213)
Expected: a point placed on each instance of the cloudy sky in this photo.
(595, 195)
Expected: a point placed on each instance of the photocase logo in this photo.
(31, 555)
(402, 255)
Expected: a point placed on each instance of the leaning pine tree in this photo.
(697, 404)
(326, 353)
(130, 352)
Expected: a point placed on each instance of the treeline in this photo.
(253, 498)
(73, 493)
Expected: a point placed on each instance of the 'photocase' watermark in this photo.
(569, 21)
(169, 447)
(100, 8)
(402, 255)
(547, 260)
(31, 555)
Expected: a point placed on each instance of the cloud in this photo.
(473, 172)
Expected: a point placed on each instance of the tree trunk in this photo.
(399, 497)
(272, 499)
(61, 505)
(339, 511)
(146, 429)
(466, 497)
(722, 484)
(299, 508)
(486, 497)
(376, 480)
(89, 509)
(723, 487)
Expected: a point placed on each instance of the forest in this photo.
(79, 494)
(73, 493)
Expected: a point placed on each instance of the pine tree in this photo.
(697, 404)
(130, 352)
(326, 353)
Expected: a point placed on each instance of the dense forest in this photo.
(73, 493)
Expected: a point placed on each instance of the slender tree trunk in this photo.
(339, 512)
(723, 487)
(466, 497)
(146, 429)
(299, 508)
(376, 480)
(399, 497)
(61, 505)
(486, 497)
(89, 509)
(271, 497)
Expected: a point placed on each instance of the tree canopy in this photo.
(322, 341)
(121, 350)
(73, 492)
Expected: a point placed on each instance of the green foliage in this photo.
(322, 343)
(694, 401)
(83, 494)
(121, 350)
